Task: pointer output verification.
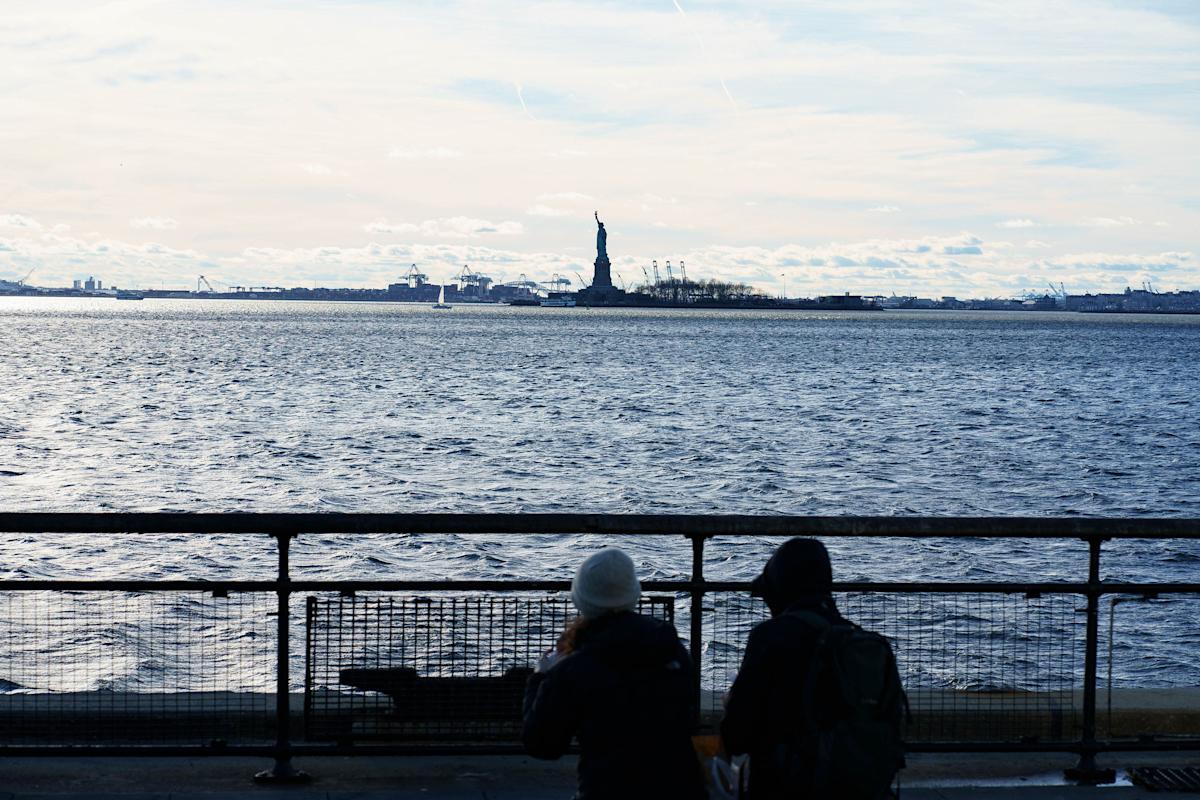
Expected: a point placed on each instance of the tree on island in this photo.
(678, 290)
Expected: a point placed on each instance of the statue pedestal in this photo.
(602, 279)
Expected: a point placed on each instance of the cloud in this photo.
(541, 210)
(321, 169)
(1017, 223)
(546, 205)
(1163, 262)
(521, 99)
(567, 196)
(20, 221)
(430, 154)
(1109, 222)
(448, 228)
(154, 223)
(884, 209)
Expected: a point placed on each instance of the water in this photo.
(282, 406)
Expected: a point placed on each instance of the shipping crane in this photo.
(657, 279)
(582, 282)
(204, 280)
(415, 278)
(27, 274)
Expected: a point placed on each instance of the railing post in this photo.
(283, 771)
(696, 635)
(1086, 771)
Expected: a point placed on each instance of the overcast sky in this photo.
(975, 147)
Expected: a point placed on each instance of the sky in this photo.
(970, 148)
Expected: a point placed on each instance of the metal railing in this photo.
(697, 590)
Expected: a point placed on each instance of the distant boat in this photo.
(125, 294)
(441, 303)
(558, 302)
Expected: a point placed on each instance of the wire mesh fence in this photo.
(189, 668)
(977, 667)
(175, 665)
(443, 668)
(1140, 674)
(144, 668)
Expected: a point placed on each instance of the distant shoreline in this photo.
(779, 306)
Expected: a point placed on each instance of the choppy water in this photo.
(265, 406)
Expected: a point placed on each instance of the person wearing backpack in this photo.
(818, 702)
(622, 684)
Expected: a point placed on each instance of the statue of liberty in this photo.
(602, 280)
(601, 239)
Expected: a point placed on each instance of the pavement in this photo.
(944, 777)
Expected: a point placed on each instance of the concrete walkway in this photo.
(951, 777)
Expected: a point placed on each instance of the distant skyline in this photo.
(971, 148)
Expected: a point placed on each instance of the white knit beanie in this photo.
(605, 582)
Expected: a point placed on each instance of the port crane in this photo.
(467, 278)
(582, 282)
(203, 280)
(21, 282)
(414, 277)
(1059, 291)
(561, 283)
(523, 282)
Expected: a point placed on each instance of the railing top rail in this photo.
(612, 524)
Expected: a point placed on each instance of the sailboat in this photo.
(441, 303)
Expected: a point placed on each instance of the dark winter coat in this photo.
(765, 707)
(766, 701)
(627, 694)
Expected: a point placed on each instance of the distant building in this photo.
(1136, 301)
(846, 300)
(77, 284)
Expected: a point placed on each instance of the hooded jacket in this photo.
(627, 694)
(766, 702)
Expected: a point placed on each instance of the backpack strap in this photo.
(812, 618)
(823, 628)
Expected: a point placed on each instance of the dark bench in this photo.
(415, 697)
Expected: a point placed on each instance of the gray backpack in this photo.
(848, 744)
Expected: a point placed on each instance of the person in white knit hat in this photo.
(604, 583)
(622, 684)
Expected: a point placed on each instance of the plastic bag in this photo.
(727, 778)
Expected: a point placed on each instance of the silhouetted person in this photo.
(622, 683)
(818, 702)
